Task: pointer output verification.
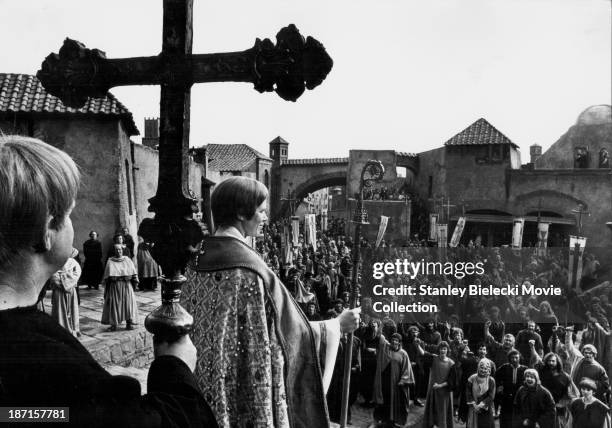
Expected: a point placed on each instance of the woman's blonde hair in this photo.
(37, 181)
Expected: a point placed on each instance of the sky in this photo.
(407, 75)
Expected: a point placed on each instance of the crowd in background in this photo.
(521, 359)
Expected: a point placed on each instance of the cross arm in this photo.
(288, 67)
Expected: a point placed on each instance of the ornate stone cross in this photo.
(76, 73)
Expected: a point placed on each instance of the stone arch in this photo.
(552, 200)
(337, 178)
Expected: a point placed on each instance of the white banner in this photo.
(310, 227)
(543, 235)
(517, 232)
(384, 220)
(457, 232)
(442, 235)
(433, 229)
(324, 220)
(577, 245)
(295, 231)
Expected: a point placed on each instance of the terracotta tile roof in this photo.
(479, 132)
(407, 155)
(23, 93)
(314, 161)
(232, 157)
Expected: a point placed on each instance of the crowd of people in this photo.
(523, 360)
(526, 360)
(120, 274)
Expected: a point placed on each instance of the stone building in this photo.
(118, 175)
(479, 172)
(227, 160)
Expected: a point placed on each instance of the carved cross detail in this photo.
(288, 67)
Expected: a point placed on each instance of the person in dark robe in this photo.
(584, 365)
(533, 404)
(509, 378)
(480, 392)
(120, 279)
(128, 240)
(64, 304)
(261, 360)
(148, 269)
(92, 266)
(371, 342)
(391, 385)
(42, 364)
(522, 342)
(439, 400)
(334, 394)
(587, 411)
(411, 344)
(118, 240)
(558, 383)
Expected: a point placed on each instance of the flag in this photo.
(310, 227)
(384, 220)
(576, 251)
(324, 220)
(442, 235)
(295, 230)
(457, 232)
(517, 232)
(433, 230)
(542, 238)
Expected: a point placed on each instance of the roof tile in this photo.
(23, 93)
(232, 157)
(478, 133)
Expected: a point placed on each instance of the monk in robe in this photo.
(391, 384)
(334, 394)
(509, 378)
(64, 302)
(584, 365)
(260, 361)
(120, 278)
(439, 401)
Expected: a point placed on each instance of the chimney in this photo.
(535, 150)
(151, 132)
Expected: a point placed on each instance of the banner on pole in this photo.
(517, 232)
(310, 227)
(433, 229)
(576, 251)
(324, 220)
(542, 238)
(457, 232)
(295, 230)
(442, 235)
(382, 227)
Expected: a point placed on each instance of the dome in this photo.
(596, 115)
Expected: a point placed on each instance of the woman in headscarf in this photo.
(480, 391)
(121, 278)
(534, 404)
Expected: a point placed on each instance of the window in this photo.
(267, 178)
(128, 184)
(430, 188)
